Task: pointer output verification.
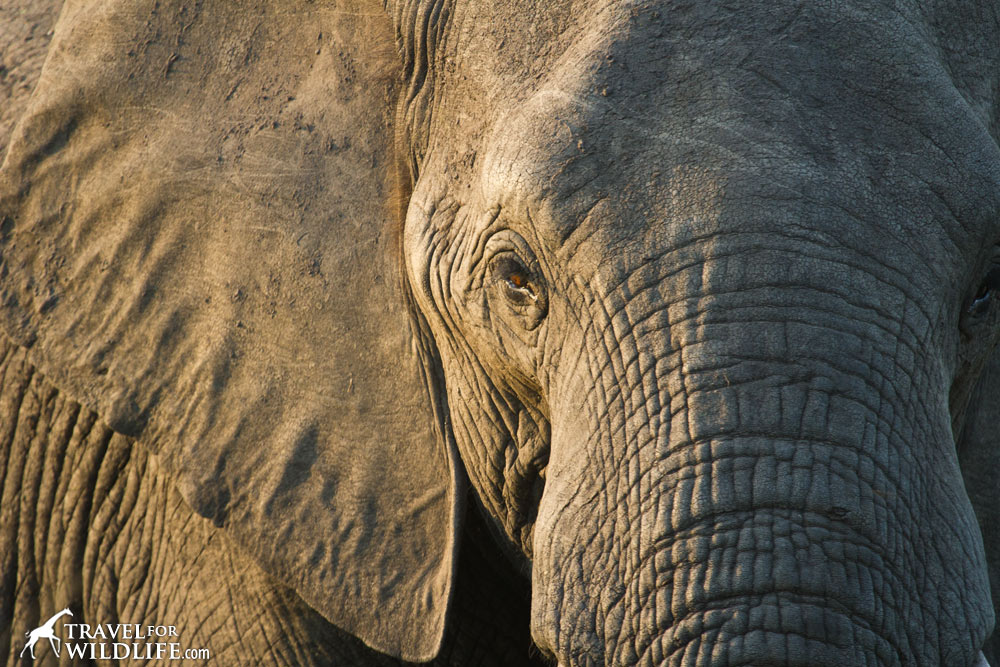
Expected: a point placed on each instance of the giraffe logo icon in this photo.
(45, 631)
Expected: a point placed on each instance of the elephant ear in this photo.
(198, 242)
(979, 455)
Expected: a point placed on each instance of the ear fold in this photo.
(979, 456)
(197, 242)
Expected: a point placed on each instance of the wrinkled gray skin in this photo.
(709, 287)
(752, 234)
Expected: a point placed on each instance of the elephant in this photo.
(470, 333)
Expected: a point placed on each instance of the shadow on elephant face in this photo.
(696, 299)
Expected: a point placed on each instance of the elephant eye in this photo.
(521, 290)
(516, 280)
(986, 294)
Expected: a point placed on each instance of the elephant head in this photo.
(695, 296)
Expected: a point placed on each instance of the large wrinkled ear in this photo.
(198, 242)
(979, 455)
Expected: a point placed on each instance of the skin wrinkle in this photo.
(874, 412)
(776, 244)
(48, 420)
(825, 289)
(515, 484)
(847, 612)
(715, 527)
(897, 339)
(692, 526)
(595, 383)
(447, 253)
(154, 555)
(696, 641)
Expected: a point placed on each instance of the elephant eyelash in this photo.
(518, 286)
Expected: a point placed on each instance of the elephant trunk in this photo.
(762, 476)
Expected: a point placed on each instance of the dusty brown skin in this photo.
(678, 321)
(25, 30)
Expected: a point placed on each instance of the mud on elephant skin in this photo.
(688, 304)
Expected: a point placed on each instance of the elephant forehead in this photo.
(680, 125)
(510, 47)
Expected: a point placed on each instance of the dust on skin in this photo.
(25, 31)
